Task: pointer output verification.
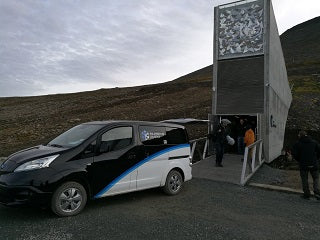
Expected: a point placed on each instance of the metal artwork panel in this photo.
(240, 30)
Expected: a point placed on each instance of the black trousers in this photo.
(219, 152)
(304, 173)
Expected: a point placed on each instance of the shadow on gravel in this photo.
(23, 213)
(124, 199)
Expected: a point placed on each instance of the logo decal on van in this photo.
(149, 135)
(145, 135)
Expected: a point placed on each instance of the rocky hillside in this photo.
(301, 48)
(302, 53)
(28, 121)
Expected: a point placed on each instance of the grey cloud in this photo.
(16, 87)
(58, 42)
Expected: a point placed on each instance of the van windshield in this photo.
(75, 136)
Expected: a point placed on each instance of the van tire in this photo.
(174, 183)
(69, 199)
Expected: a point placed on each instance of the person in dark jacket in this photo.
(241, 130)
(220, 137)
(306, 152)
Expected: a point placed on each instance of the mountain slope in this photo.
(302, 53)
(301, 46)
(28, 121)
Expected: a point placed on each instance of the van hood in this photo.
(29, 154)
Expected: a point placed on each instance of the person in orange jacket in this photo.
(249, 137)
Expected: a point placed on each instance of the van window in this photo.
(75, 136)
(116, 139)
(152, 135)
(176, 136)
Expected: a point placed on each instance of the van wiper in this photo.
(55, 145)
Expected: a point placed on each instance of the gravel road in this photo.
(204, 210)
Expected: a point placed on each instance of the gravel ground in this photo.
(279, 177)
(203, 210)
(269, 175)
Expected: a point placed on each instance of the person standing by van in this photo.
(220, 137)
(241, 129)
(306, 151)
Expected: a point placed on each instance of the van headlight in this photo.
(36, 164)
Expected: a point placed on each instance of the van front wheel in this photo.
(173, 183)
(69, 199)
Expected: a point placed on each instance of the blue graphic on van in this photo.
(153, 156)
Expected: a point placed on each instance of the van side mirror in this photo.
(104, 147)
(90, 149)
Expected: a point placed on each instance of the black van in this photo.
(94, 160)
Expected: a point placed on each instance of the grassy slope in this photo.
(28, 121)
(302, 53)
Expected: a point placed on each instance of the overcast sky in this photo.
(58, 46)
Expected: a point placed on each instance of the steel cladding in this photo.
(241, 86)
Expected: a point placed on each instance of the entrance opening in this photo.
(234, 128)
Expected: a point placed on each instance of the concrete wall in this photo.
(278, 78)
(277, 115)
(277, 90)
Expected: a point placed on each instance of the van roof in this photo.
(162, 124)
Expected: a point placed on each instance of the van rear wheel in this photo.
(173, 183)
(69, 199)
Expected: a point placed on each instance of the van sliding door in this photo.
(156, 158)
